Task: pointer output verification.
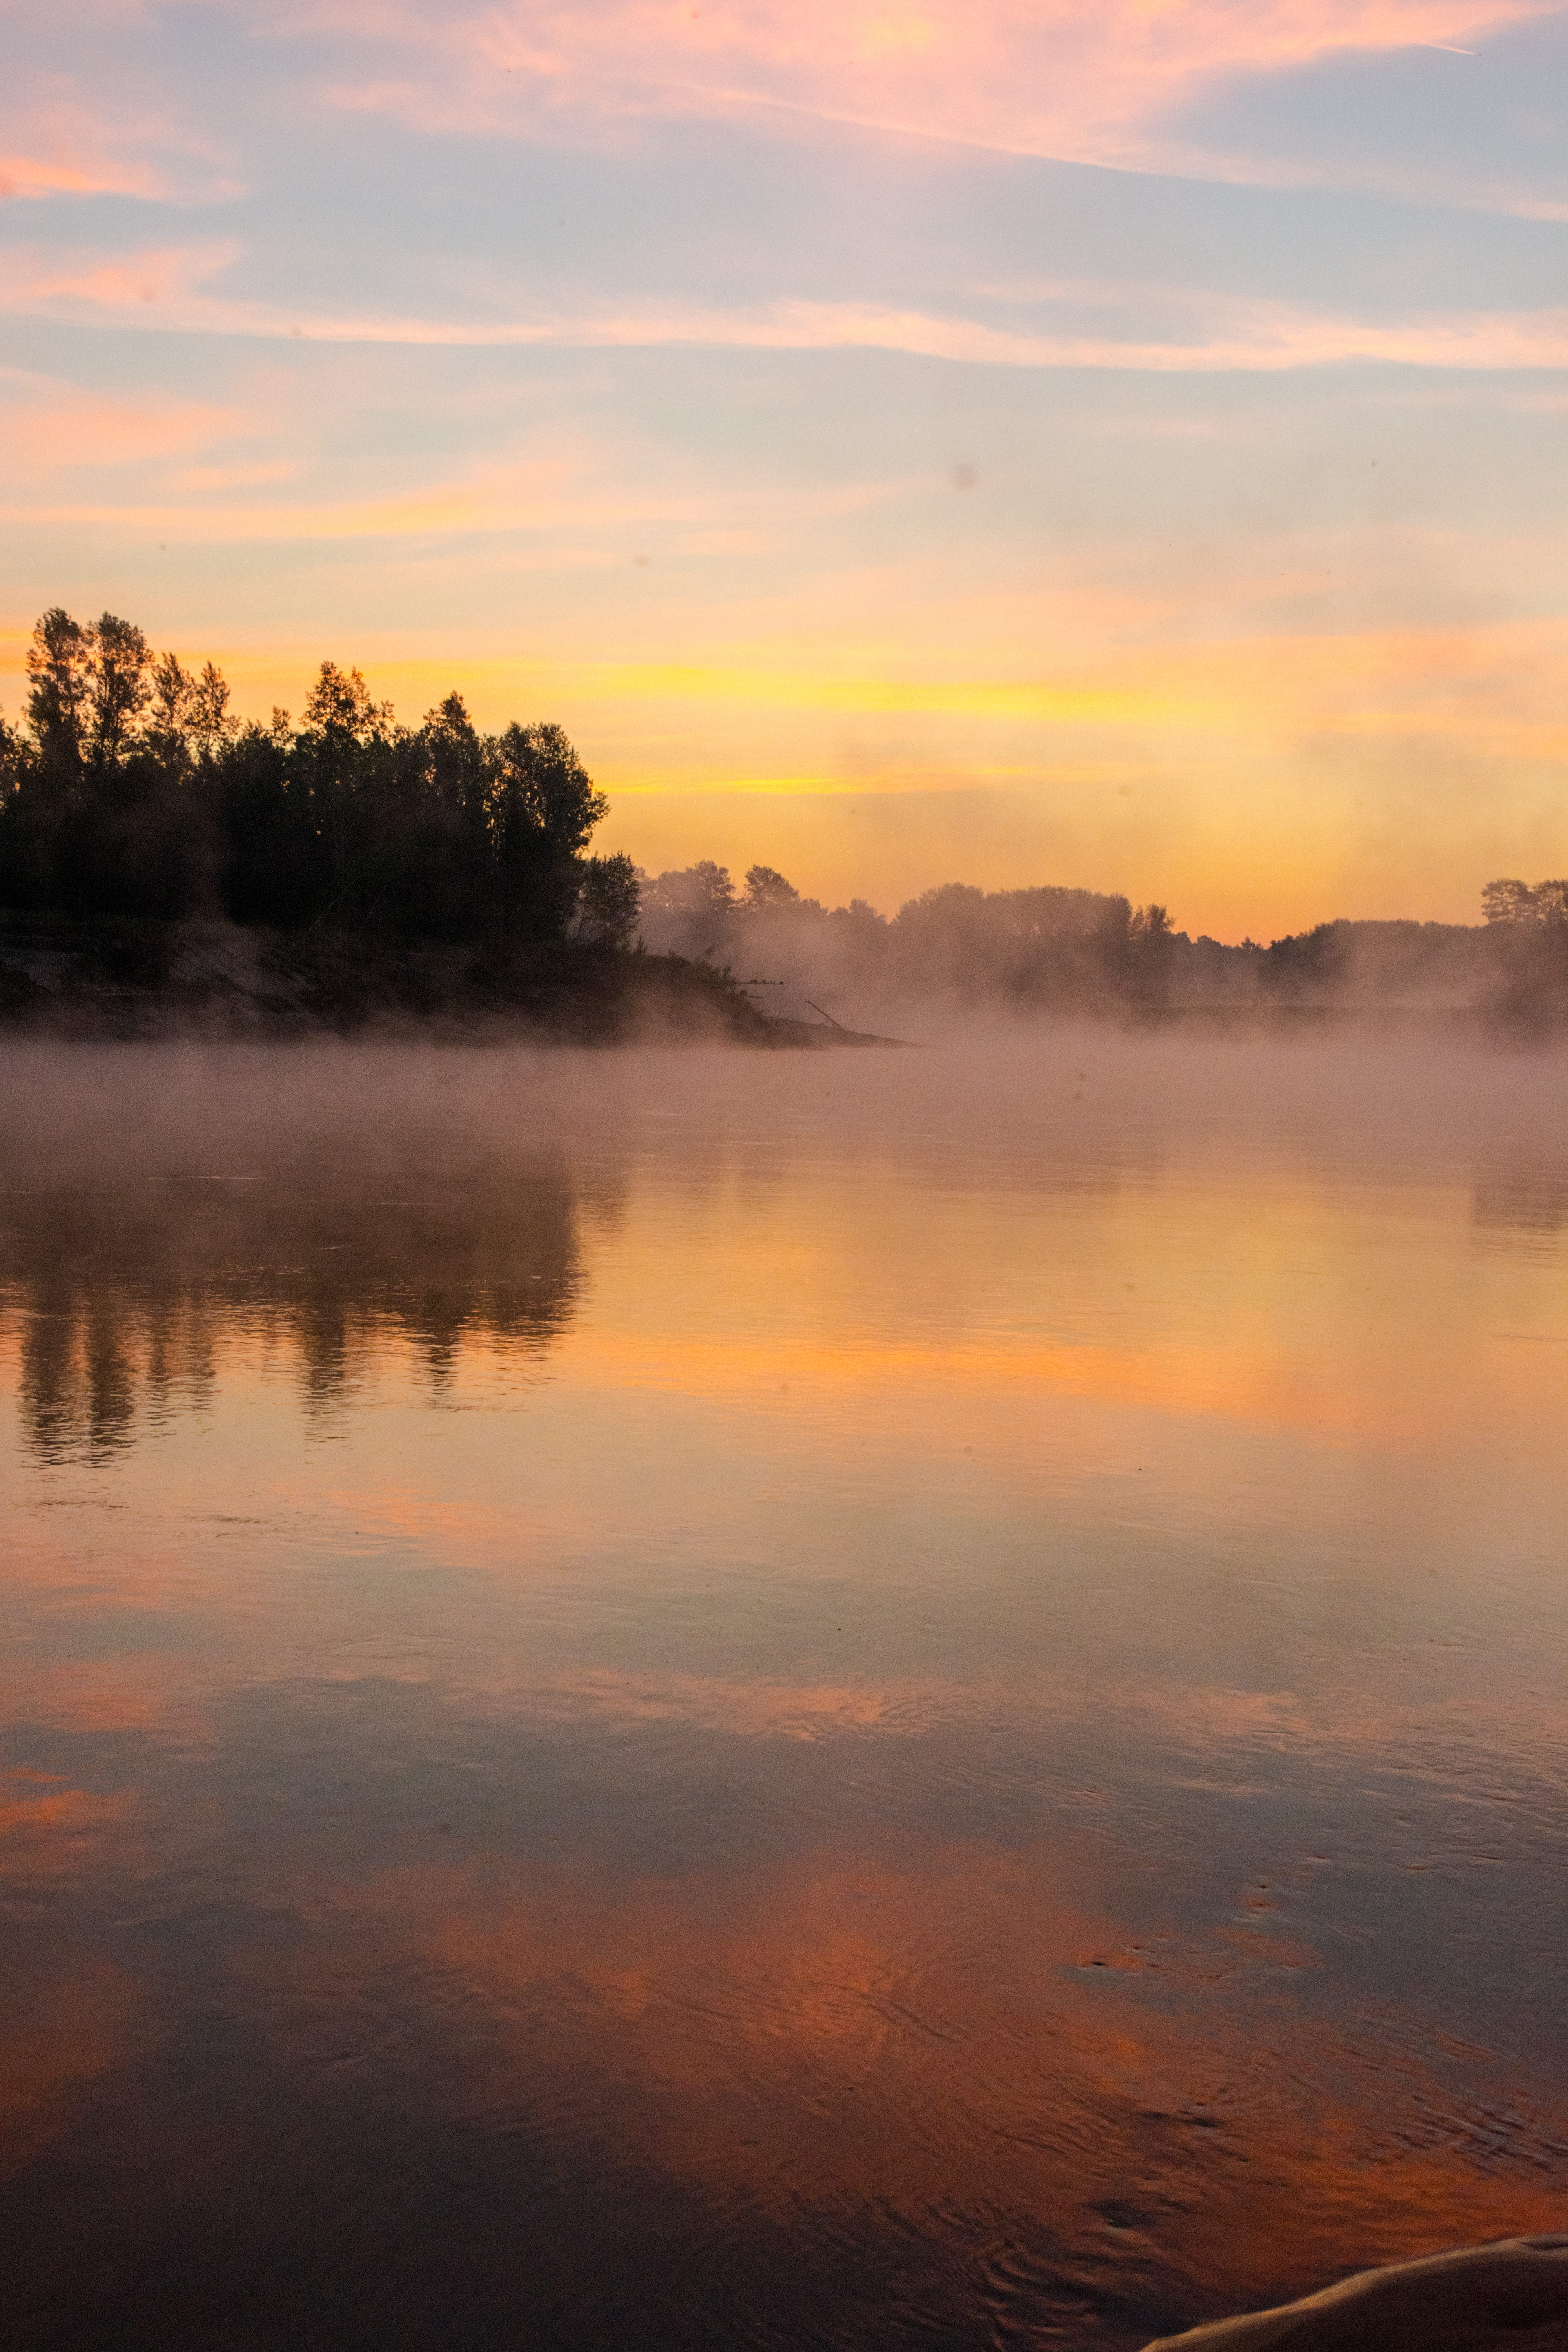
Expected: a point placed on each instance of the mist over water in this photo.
(857, 1699)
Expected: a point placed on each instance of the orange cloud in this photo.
(25, 175)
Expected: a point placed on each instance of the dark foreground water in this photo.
(880, 1700)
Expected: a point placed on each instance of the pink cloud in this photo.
(1051, 78)
(49, 424)
(67, 138)
(27, 175)
(54, 281)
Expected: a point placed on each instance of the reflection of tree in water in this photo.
(125, 1295)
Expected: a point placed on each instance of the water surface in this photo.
(695, 1699)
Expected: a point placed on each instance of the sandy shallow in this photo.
(1513, 2293)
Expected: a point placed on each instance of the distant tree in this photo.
(1149, 954)
(172, 689)
(190, 710)
(1509, 902)
(340, 705)
(456, 755)
(1516, 902)
(59, 664)
(691, 909)
(119, 688)
(1046, 946)
(767, 892)
(704, 890)
(609, 899)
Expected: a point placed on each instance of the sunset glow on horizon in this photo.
(1118, 447)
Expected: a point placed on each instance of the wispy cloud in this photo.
(30, 175)
(1053, 79)
(1107, 85)
(166, 289)
(51, 425)
(108, 127)
(565, 498)
(97, 287)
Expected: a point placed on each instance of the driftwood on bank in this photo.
(1513, 2293)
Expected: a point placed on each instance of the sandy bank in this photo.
(1514, 2292)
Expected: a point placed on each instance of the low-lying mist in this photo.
(317, 1120)
(957, 951)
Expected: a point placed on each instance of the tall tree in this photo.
(59, 699)
(608, 902)
(544, 809)
(767, 891)
(119, 687)
(135, 791)
(1508, 901)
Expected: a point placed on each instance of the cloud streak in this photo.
(1051, 80)
(29, 176)
(164, 289)
(51, 425)
(1114, 86)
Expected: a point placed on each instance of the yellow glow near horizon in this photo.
(1221, 778)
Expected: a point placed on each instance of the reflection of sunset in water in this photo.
(764, 1702)
(965, 2024)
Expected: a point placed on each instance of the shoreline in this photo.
(1513, 2292)
(102, 981)
(107, 979)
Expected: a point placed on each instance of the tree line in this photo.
(131, 790)
(1084, 950)
(1045, 945)
(1508, 901)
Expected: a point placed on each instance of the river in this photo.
(692, 1698)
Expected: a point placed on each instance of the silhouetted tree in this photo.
(118, 686)
(190, 712)
(59, 664)
(609, 900)
(1507, 902)
(693, 907)
(134, 790)
(766, 891)
(544, 809)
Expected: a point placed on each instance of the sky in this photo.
(1118, 444)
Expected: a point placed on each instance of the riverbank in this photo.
(106, 979)
(1513, 2292)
